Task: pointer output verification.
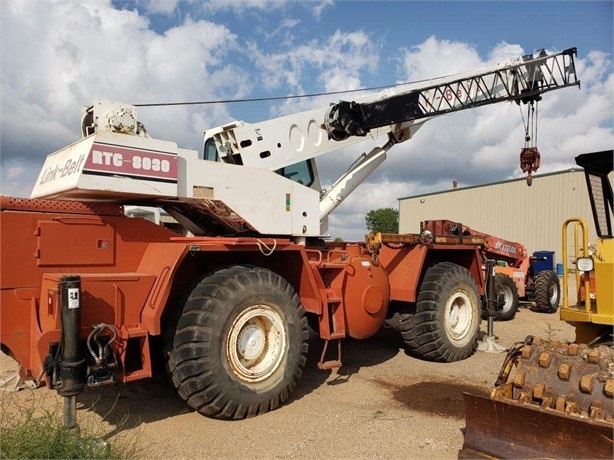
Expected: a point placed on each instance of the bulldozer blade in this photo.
(507, 429)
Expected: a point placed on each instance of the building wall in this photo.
(532, 216)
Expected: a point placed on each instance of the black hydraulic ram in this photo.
(71, 368)
(491, 305)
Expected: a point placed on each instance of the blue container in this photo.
(544, 261)
(559, 269)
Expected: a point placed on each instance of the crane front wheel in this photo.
(446, 323)
(240, 344)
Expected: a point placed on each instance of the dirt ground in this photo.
(381, 404)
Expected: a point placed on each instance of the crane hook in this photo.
(529, 155)
(529, 162)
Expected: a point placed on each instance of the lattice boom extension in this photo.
(521, 82)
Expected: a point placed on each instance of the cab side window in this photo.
(298, 172)
(210, 153)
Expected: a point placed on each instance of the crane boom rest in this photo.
(91, 296)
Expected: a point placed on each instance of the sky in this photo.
(58, 56)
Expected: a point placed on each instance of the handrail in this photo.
(580, 223)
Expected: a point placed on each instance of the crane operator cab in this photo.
(302, 172)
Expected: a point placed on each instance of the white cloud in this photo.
(12, 176)
(504, 51)
(14, 172)
(437, 58)
(337, 62)
(92, 50)
(320, 7)
(161, 6)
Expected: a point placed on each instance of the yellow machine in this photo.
(593, 314)
(559, 403)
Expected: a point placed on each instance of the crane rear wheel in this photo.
(240, 344)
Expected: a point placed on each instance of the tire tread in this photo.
(423, 334)
(196, 373)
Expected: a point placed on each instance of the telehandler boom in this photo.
(515, 275)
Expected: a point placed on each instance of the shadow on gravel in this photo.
(438, 397)
(127, 406)
(379, 348)
(355, 354)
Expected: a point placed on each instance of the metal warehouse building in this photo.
(532, 216)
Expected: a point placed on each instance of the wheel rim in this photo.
(554, 295)
(458, 316)
(256, 344)
(505, 294)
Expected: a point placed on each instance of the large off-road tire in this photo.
(507, 295)
(547, 293)
(446, 323)
(240, 344)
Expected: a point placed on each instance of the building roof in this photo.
(565, 171)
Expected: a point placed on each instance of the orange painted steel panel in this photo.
(164, 258)
(307, 285)
(15, 322)
(22, 239)
(75, 241)
(72, 207)
(404, 267)
(45, 239)
(114, 298)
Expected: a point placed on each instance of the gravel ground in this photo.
(381, 404)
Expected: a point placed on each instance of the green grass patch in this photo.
(34, 429)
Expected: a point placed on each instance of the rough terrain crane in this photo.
(91, 296)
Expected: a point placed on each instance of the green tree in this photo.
(385, 220)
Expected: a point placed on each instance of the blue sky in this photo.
(57, 56)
